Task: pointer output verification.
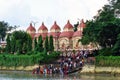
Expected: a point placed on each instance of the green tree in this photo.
(45, 51)
(29, 43)
(4, 27)
(35, 44)
(0, 49)
(90, 33)
(104, 29)
(46, 44)
(108, 35)
(51, 46)
(13, 43)
(40, 44)
(116, 47)
(21, 42)
(19, 46)
(115, 6)
(75, 26)
(8, 46)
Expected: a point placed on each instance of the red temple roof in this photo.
(54, 34)
(67, 34)
(31, 28)
(68, 25)
(55, 26)
(82, 24)
(42, 27)
(77, 34)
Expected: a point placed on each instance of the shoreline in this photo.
(92, 69)
(87, 69)
(20, 68)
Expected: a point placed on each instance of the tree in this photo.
(108, 35)
(19, 46)
(104, 29)
(4, 28)
(21, 42)
(104, 33)
(45, 51)
(46, 44)
(35, 44)
(51, 46)
(8, 46)
(116, 47)
(75, 26)
(115, 5)
(29, 43)
(90, 33)
(0, 49)
(40, 44)
(13, 43)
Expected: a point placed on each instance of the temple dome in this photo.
(43, 31)
(67, 31)
(68, 25)
(55, 30)
(31, 28)
(55, 27)
(42, 27)
(81, 25)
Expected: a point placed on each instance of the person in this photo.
(34, 70)
(82, 61)
(61, 70)
(37, 70)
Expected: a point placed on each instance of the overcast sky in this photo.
(22, 12)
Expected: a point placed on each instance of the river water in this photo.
(21, 75)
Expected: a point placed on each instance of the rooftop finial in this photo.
(55, 22)
(30, 24)
(42, 23)
(68, 22)
(82, 21)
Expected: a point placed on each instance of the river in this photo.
(21, 75)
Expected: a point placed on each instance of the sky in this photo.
(23, 12)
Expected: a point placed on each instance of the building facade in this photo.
(67, 39)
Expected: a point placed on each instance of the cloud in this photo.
(14, 12)
(22, 12)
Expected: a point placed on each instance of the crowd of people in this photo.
(68, 62)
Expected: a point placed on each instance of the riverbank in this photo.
(87, 69)
(20, 68)
(95, 69)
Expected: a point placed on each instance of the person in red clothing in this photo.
(41, 70)
(65, 70)
(34, 70)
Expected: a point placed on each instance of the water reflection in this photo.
(20, 75)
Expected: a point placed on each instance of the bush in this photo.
(49, 58)
(108, 61)
(10, 60)
(105, 52)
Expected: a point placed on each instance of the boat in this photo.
(74, 70)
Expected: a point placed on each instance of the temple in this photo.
(67, 39)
